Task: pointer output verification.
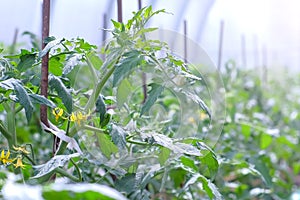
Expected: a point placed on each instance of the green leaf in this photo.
(94, 60)
(212, 164)
(246, 130)
(36, 98)
(210, 188)
(261, 167)
(56, 84)
(116, 24)
(130, 61)
(24, 100)
(72, 61)
(163, 155)
(49, 46)
(194, 97)
(123, 91)
(265, 140)
(188, 163)
(176, 147)
(101, 109)
(9, 84)
(153, 94)
(126, 184)
(107, 147)
(26, 62)
(52, 164)
(79, 191)
(118, 136)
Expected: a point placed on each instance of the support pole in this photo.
(185, 40)
(120, 15)
(220, 44)
(45, 59)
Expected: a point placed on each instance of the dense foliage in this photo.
(134, 123)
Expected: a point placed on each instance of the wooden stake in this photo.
(44, 69)
(120, 18)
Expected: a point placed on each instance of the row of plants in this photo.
(134, 122)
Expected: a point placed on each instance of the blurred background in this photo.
(252, 32)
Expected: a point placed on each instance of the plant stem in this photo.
(77, 169)
(5, 132)
(66, 174)
(11, 123)
(98, 89)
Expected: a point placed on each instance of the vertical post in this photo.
(185, 40)
(104, 27)
(13, 45)
(220, 44)
(256, 56)
(265, 64)
(243, 46)
(120, 17)
(140, 4)
(44, 69)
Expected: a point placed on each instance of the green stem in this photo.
(19, 109)
(66, 174)
(98, 89)
(92, 100)
(92, 128)
(137, 142)
(92, 69)
(11, 122)
(4, 131)
(77, 169)
(30, 159)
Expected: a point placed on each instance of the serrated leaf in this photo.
(118, 136)
(210, 188)
(56, 84)
(176, 147)
(194, 97)
(265, 140)
(153, 95)
(26, 62)
(130, 61)
(72, 61)
(81, 191)
(36, 98)
(49, 46)
(52, 164)
(107, 147)
(123, 91)
(24, 100)
(9, 83)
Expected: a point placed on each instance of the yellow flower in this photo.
(57, 112)
(22, 149)
(19, 163)
(5, 158)
(78, 117)
(73, 117)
